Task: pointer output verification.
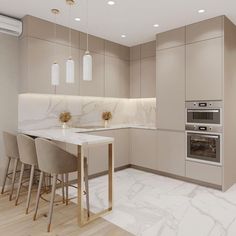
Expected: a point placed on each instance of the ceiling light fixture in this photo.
(201, 11)
(87, 58)
(55, 69)
(111, 3)
(155, 25)
(70, 64)
(123, 36)
(77, 19)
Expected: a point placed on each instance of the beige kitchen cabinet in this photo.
(148, 77)
(135, 79)
(204, 172)
(96, 87)
(116, 77)
(171, 88)
(143, 148)
(36, 72)
(204, 70)
(171, 152)
(206, 29)
(171, 38)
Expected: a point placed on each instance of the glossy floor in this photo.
(152, 205)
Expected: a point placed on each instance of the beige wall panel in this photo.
(96, 87)
(172, 38)
(203, 172)
(148, 77)
(148, 49)
(116, 50)
(204, 70)
(171, 88)
(135, 79)
(143, 148)
(203, 30)
(171, 152)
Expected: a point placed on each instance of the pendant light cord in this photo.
(69, 23)
(87, 25)
(55, 35)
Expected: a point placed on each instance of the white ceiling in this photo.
(135, 18)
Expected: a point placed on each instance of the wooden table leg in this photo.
(110, 174)
(80, 185)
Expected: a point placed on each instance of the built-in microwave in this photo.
(207, 112)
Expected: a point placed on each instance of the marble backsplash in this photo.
(38, 111)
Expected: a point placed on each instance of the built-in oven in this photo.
(204, 143)
(207, 112)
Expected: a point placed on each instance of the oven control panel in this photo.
(203, 105)
(203, 128)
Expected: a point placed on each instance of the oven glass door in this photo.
(203, 147)
(205, 116)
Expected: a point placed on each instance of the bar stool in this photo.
(28, 156)
(12, 153)
(54, 160)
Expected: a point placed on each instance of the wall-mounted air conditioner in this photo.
(10, 26)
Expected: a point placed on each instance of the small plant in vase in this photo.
(106, 116)
(65, 117)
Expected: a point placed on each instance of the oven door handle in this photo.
(205, 136)
(206, 111)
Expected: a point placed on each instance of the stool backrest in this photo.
(27, 149)
(10, 143)
(52, 159)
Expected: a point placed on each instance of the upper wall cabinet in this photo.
(206, 29)
(143, 70)
(170, 39)
(204, 70)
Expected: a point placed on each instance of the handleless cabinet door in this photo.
(171, 152)
(135, 79)
(143, 148)
(171, 88)
(148, 77)
(204, 70)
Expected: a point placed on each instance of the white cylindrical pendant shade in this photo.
(70, 71)
(55, 74)
(87, 67)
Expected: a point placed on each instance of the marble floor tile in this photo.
(151, 205)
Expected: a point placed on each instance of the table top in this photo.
(69, 135)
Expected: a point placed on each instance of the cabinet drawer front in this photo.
(204, 172)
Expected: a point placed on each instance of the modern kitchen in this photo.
(118, 118)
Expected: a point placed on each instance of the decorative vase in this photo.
(64, 125)
(106, 123)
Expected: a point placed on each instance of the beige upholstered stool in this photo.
(12, 153)
(54, 160)
(28, 156)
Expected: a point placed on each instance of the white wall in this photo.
(9, 51)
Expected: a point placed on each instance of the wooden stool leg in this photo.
(67, 188)
(30, 188)
(52, 201)
(86, 185)
(5, 176)
(13, 179)
(20, 183)
(38, 195)
(63, 188)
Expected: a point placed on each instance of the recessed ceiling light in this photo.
(111, 3)
(77, 19)
(123, 36)
(155, 25)
(201, 11)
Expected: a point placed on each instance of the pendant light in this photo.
(87, 58)
(55, 69)
(70, 65)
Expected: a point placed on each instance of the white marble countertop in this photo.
(69, 135)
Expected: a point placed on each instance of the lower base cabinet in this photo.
(171, 152)
(143, 148)
(204, 172)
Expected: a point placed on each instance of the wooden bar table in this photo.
(82, 141)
